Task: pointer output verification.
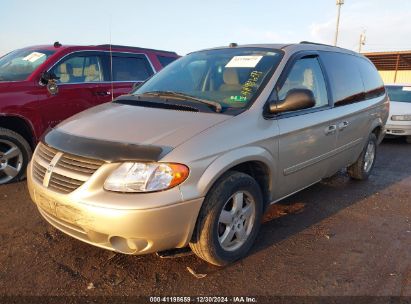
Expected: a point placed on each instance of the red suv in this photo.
(42, 85)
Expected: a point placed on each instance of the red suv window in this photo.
(79, 69)
(131, 68)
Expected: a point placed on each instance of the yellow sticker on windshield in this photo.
(243, 61)
(251, 83)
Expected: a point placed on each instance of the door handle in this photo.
(343, 125)
(330, 130)
(102, 93)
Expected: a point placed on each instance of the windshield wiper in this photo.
(216, 105)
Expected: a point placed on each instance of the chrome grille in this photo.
(46, 153)
(63, 183)
(39, 172)
(68, 173)
(78, 164)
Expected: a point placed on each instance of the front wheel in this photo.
(229, 219)
(15, 153)
(362, 168)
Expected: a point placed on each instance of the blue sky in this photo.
(185, 26)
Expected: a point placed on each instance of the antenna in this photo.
(111, 66)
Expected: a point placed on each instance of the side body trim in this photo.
(292, 193)
(317, 159)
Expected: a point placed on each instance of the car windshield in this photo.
(18, 65)
(230, 77)
(399, 93)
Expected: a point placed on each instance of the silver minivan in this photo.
(195, 155)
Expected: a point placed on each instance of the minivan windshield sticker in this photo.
(238, 98)
(243, 61)
(408, 89)
(248, 86)
(34, 56)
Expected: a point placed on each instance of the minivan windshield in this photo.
(229, 77)
(399, 93)
(18, 65)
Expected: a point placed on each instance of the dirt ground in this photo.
(339, 237)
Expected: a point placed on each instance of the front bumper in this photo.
(398, 129)
(117, 221)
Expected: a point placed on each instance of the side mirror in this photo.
(296, 99)
(49, 79)
(45, 77)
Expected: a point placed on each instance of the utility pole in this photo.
(339, 3)
(362, 41)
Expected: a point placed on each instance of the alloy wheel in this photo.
(369, 156)
(11, 161)
(236, 220)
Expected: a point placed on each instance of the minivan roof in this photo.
(294, 47)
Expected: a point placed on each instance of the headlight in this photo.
(146, 177)
(401, 117)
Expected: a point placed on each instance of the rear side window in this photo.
(164, 60)
(345, 78)
(373, 84)
(131, 68)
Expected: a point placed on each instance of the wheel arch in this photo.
(254, 161)
(378, 129)
(19, 125)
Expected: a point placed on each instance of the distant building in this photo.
(393, 66)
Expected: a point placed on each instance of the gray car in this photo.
(196, 154)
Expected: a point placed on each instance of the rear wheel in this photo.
(229, 220)
(362, 168)
(408, 139)
(15, 153)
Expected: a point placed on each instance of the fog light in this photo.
(128, 246)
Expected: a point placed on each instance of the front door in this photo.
(79, 87)
(307, 137)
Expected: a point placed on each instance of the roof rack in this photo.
(135, 48)
(316, 43)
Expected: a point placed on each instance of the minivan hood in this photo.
(139, 125)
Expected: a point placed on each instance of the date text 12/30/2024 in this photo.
(203, 299)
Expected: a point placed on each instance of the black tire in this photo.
(205, 241)
(357, 170)
(408, 139)
(10, 136)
